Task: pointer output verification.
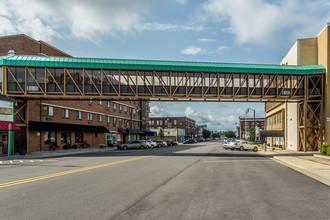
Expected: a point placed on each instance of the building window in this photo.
(100, 118)
(125, 110)
(90, 103)
(65, 113)
(79, 137)
(78, 116)
(89, 117)
(108, 104)
(114, 122)
(100, 103)
(66, 137)
(50, 111)
(174, 122)
(108, 119)
(161, 123)
(119, 108)
(50, 137)
(114, 107)
(119, 121)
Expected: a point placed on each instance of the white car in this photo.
(232, 145)
(225, 145)
(244, 145)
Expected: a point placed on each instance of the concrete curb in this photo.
(322, 156)
(288, 162)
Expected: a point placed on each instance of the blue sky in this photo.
(230, 31)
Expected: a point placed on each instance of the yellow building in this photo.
(284, 116)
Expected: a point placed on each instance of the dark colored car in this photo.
(170, 143)
(189, 141)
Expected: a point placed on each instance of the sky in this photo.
(225, 31)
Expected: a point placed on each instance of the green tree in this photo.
(206, 133)
(215, 134)
(161, 133)
(252, 132)
(230, 134)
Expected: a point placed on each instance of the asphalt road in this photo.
(200, 181)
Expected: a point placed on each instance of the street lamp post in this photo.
(254, 122)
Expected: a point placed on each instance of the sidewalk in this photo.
(56, 153)
(311, 164)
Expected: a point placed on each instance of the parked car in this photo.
(169, 142)
(153, 144)
(232, 145)
(148, 143)
(175, 143)
(225, 145)
(189, 141)
(160, 144)
(133, 144)
(244, 145)
(165, 143)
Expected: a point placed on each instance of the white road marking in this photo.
(21, 161)
(31, 161)
(11, 162)
(0, 162)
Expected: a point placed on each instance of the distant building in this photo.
(246, 123)
(185, 127)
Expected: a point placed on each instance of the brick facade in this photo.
(188, 124)
(24, 45)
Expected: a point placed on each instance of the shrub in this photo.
(66, 147)
(328, 151)
(324, 149)
(75, 146)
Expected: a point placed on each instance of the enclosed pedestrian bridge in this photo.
(67, 77)
(42, 77)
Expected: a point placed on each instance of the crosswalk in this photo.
(12, 162)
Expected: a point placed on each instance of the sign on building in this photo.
(6, 111)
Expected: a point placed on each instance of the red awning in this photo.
(4, 126)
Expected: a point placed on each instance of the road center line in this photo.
(17, 182)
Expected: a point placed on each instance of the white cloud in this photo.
(168, 27)
(206, 40)
(222, 48)
(263, 22)
(84, 19)
(191, 50)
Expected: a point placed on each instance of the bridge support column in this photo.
(310, 125)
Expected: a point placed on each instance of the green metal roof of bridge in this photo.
(157, 65)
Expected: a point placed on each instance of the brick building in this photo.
(185, 126)
(25, 45)
(75, 121)
(246, 123)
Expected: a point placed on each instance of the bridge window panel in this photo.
(15, 78)
(54, 76)
(35, 78)
(314, 85)
(77, 75)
